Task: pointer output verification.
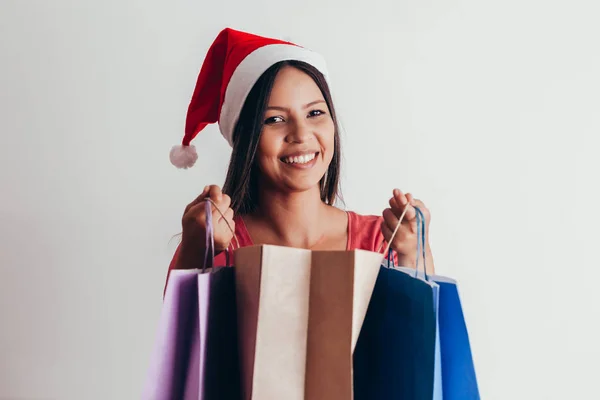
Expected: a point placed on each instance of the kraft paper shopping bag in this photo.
(299, 314)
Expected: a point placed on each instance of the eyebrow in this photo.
(312, 103)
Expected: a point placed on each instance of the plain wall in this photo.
(488, 111)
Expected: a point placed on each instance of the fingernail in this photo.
(205, 189)
(396, 192)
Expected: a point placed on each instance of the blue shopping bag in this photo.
(437, 380)
(458, 371)
(394, 356)
(458, 377)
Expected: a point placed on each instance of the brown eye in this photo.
(273, 120)
(316, 113)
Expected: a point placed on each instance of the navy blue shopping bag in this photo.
(394, 357)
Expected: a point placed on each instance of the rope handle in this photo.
(421, 240)
(420, 224)
(210, 242)
(224, 219)
(389, 243)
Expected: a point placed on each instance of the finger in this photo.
(417, 203)
(198, 199)
(229, 215)
(400, 198)
(394, 204)
(411, 213)
(225, 203)
(400, 202)
(403, 202)
(386, 231)
(424, 209)
(390, 219)
(220, 214)
(219, 209)
(227, 224)
(215, 193)
(198, 211)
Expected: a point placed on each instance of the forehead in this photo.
(293, 86)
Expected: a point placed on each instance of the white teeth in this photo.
(300, 159)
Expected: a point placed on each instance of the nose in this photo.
(300, 132)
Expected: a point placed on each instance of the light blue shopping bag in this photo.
(456, 379)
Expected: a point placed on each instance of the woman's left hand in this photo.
(405, 241)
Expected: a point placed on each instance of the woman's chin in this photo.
(302, 185)
(295, 180)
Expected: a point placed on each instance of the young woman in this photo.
(273, 104)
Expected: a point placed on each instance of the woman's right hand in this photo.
(193, 240)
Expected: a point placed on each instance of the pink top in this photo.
(364, 232)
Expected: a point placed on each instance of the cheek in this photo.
(267, 146)
(327, 138)
(267, 152)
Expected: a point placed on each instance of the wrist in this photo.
(406, 261)
(192, 256)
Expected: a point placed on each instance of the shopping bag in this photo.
(421, 255)
(438, 393)
(416, 273)
(458, 377)
(167, 375)
(458, 371)
(459, 381)
(195, 356)
(396, 352)
(299, 314)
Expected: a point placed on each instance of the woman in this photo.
(273, 104)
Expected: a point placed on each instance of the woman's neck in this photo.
(291, 219)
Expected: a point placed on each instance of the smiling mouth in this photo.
(301, 159)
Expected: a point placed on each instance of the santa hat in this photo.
(233, 64)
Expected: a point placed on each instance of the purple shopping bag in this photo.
(195, 356)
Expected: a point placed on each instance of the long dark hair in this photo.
(241, 183)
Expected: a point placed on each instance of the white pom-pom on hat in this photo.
(183, 156)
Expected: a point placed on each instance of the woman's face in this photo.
(297, 140)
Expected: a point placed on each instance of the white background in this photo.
(486, 110)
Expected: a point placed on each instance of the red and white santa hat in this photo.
(233, 64)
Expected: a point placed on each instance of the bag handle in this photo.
(209, 228)
(389, 243)
(210, 237)
(210, 241)
(421, 242)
